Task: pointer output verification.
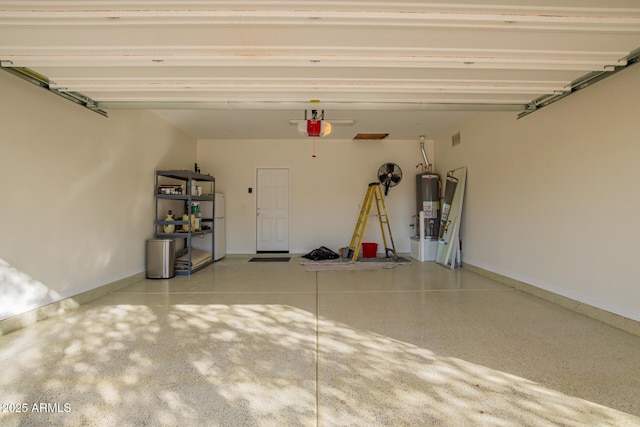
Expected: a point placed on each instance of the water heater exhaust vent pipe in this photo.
(427, 165)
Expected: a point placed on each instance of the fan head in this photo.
(389, 175)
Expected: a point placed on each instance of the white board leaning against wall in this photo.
(449, 253)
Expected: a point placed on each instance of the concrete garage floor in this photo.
(250, 344)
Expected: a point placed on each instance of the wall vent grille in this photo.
(455, 139)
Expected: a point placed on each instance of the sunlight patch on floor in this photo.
(245, 364)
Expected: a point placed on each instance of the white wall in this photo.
(552, 199)
(77, 193)
(326, 192)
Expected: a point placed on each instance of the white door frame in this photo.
(255, 210)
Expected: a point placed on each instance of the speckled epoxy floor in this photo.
(242, 344)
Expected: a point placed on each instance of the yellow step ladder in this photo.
(374, 192)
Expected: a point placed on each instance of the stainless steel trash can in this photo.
(161, 257)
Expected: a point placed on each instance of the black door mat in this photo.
(270, 259)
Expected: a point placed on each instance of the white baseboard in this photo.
(615, 320)
(64, 305)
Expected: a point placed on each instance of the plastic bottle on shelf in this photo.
(196, 216)
(185, 227)
(169, 228)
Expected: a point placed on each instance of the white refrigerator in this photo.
(219, 233)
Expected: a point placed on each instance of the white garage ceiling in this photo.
(243, 69)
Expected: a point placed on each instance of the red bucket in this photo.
(369, 250)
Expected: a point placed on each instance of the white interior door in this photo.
(272, 210)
